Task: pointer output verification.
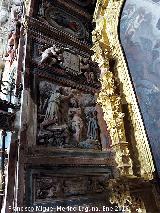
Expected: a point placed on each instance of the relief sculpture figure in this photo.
(53, 109)
(92, 132)
(77, 125)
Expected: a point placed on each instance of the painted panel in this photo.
(140, 38)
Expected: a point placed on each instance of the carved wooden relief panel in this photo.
(67, 117)
(66, 185)
(58, 187)
(66, 164)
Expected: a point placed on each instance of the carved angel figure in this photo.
(52, 56)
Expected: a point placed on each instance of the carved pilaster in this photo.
(121, 194)
(108, 99)
(111, 105)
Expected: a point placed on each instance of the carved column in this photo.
(110, 100)
(111, 104)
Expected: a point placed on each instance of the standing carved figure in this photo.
(77, 125)
(92, 132)
(53, 109)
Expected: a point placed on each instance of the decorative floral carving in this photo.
(107, 46)
(123, 192)
(111, 106)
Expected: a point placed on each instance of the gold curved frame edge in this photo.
(107, 46)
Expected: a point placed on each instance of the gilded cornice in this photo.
(107, 46)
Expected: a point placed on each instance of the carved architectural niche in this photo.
(111, 105)
(67, 117)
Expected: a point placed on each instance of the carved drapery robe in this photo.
(53, 109)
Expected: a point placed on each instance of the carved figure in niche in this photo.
(52, 56)
(77, 126)
(86, 69)
(54, 111)
(92, 132)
